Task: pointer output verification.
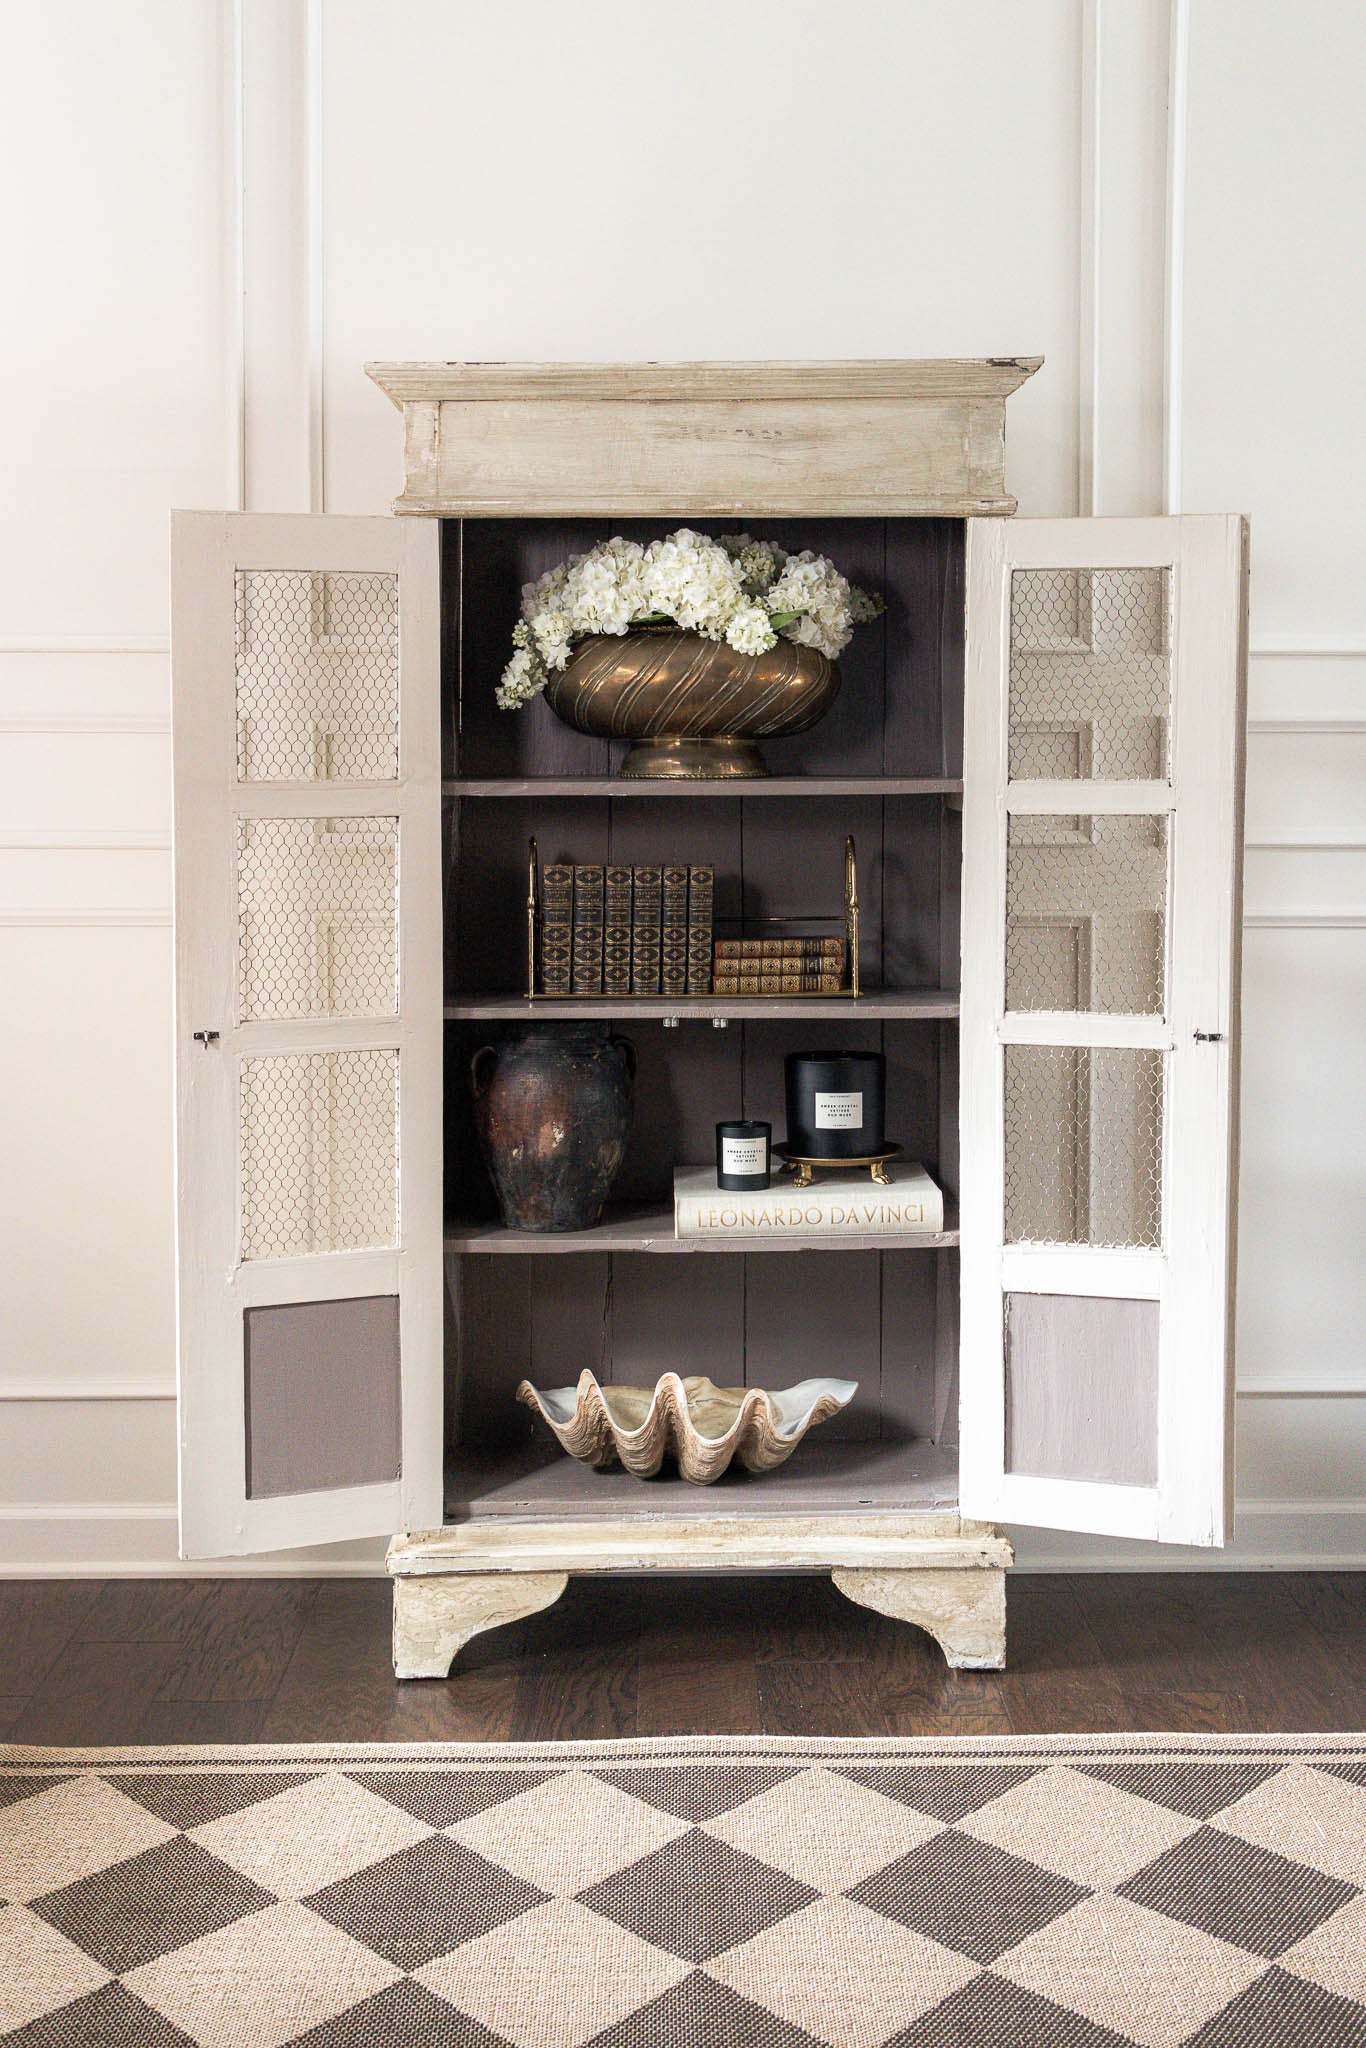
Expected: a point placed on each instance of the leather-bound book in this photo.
(587, 952)
(557, 927)
(645, 931)
(673, 939)
(616, 931)
(701, 887)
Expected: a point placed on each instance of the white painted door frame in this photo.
(1191, 1276)
(215, 1285)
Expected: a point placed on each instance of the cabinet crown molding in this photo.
(567, 440)
(681, 383)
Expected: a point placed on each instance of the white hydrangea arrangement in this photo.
(746, 592)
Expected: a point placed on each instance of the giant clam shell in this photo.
(704, 1426)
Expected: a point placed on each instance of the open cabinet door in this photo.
(1102, 838)
(306, 668)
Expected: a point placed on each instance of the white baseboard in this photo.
(139, 1539)
(1269, 1535)
(78, 1540)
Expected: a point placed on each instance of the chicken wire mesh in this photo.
(319, 1152)
(1083, 1145)
(317, 676)
(1086, 914)
(317, 913)
(1090, 674)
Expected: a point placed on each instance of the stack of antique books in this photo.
(610, 930)
(779, 967)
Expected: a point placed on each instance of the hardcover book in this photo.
(673, 935)
(587, 950)
(645, 933)
(829, 948)
(557, 927)
(777, 981)
(770, 967)
(616, 932)
(701, 887)
(837, 1205)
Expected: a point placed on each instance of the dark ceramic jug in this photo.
(553, 1111)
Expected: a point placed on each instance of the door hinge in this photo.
(1209, 1037)
(204, 1037)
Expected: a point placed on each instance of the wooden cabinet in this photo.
(1038, 752)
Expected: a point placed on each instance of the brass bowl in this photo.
(692, 708)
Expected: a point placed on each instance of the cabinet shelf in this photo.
(768, 786)
(884, 1005)
(651, 1229)
(912, 1476)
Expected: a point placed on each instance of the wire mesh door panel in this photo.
(317, 914)
(309, 946)
(319, 1152)
(1100, 858)
(1090, 674)
(1086, 914)
(317, 676)
(1083, 1146)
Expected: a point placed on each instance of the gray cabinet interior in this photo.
(886, 1317)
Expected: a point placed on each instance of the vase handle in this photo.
(628, 1054)
(476, 1062)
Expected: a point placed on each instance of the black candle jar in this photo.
(742, 1157)
(835, 1104)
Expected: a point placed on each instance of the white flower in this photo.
(751, 630)
(692, 580)
(520, 681)
(544, 593)
(553, 635)
(824, 603)
(737, 589)
(604, 589)
(758, 561)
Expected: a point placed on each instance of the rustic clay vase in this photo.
(703, 1426)
(692, 708)
(553, 1110)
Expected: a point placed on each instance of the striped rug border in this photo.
(678, 1749)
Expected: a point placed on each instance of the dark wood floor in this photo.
(243, 1660)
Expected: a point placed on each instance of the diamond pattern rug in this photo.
(1066, 1892)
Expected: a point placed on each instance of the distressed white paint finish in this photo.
(1192, 1277)
(217, 1518)
(531, 439)
(944, 1574)
(965, 1611)
(435, 1618)
(737, 1543)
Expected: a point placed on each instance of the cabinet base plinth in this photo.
(434, 1618)
(965, 1611)
(940, 1572)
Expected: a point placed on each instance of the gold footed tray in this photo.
(804, 1169)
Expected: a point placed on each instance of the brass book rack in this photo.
(845, 923)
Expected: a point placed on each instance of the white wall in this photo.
(218, 212)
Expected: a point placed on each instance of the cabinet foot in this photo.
(435, 1617)
(965, 1611)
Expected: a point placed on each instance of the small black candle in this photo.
(742, 1157)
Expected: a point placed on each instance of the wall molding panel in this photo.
(109, 724)
(77, 915)
(1174, 280)
(163, 1389)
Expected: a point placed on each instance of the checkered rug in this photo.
(1068, 1892)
